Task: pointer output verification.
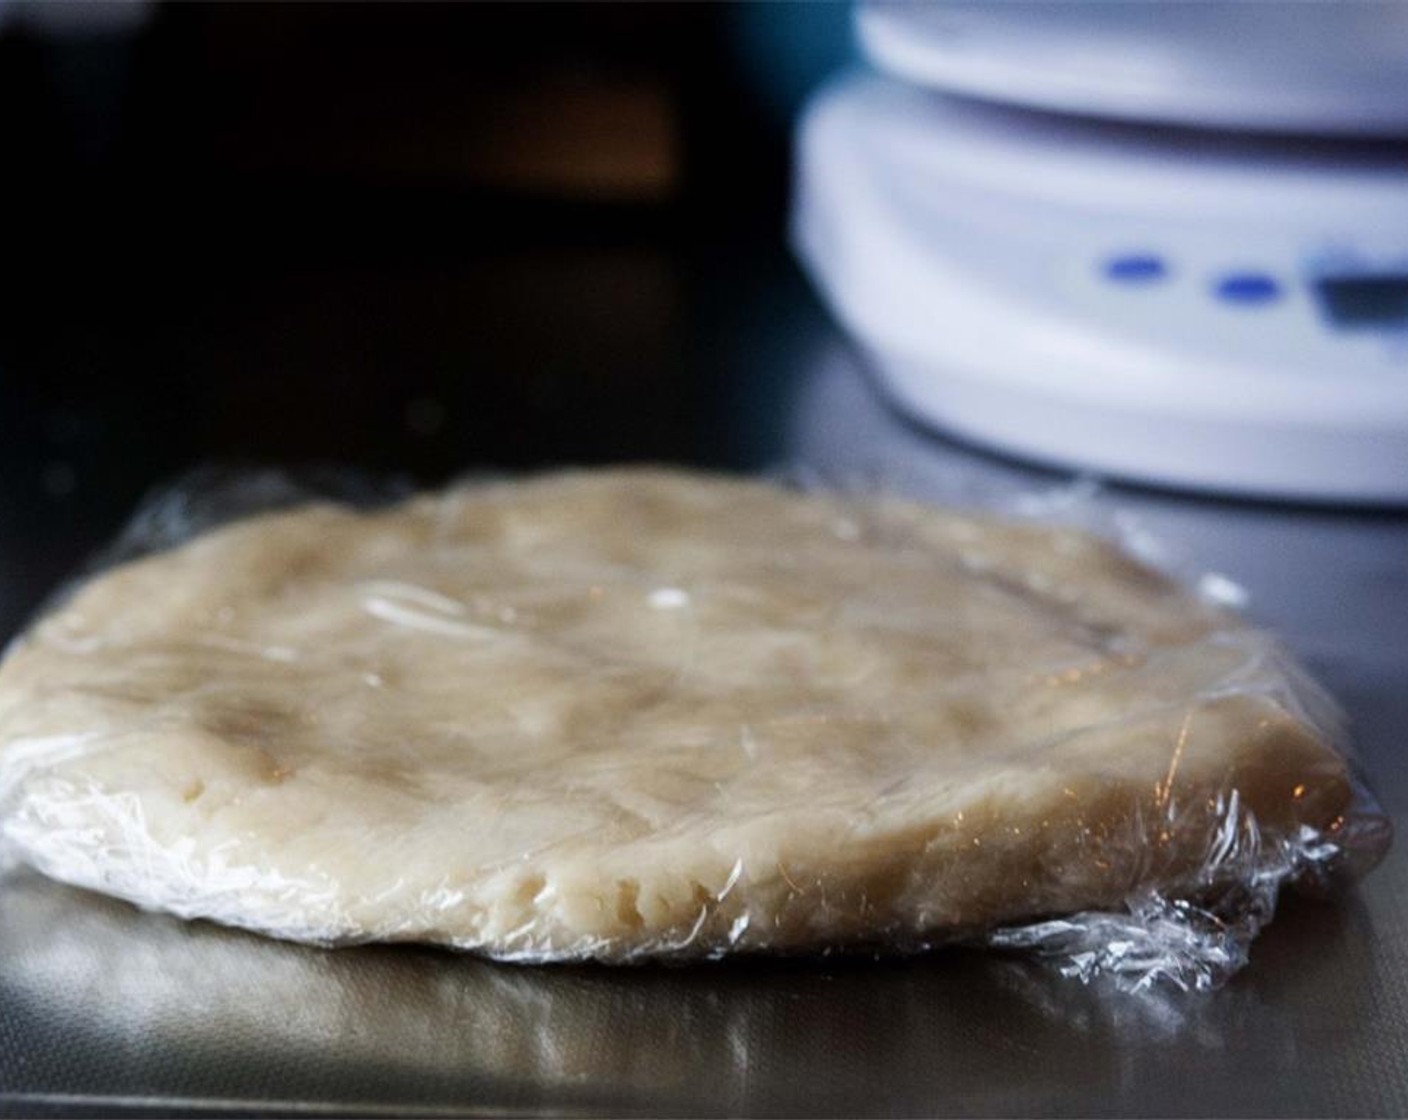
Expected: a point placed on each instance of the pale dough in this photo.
(642, 712)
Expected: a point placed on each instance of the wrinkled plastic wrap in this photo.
(641, 715)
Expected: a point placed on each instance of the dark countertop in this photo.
(589, 353)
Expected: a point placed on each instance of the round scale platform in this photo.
(1214, 310)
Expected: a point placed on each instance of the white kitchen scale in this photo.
(1216, 301)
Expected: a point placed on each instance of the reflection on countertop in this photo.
(144, 1005)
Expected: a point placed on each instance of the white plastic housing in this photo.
(1330, 67)
(982, 256)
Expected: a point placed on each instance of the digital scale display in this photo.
(1364, 301)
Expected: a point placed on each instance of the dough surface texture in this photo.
(639, 712)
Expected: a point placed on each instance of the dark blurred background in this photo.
(423, 239)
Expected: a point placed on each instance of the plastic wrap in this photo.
(635, 715)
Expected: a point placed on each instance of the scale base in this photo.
(1200, 454)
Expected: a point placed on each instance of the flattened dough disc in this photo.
(639, 712)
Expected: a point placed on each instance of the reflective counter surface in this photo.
(105, 1009)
